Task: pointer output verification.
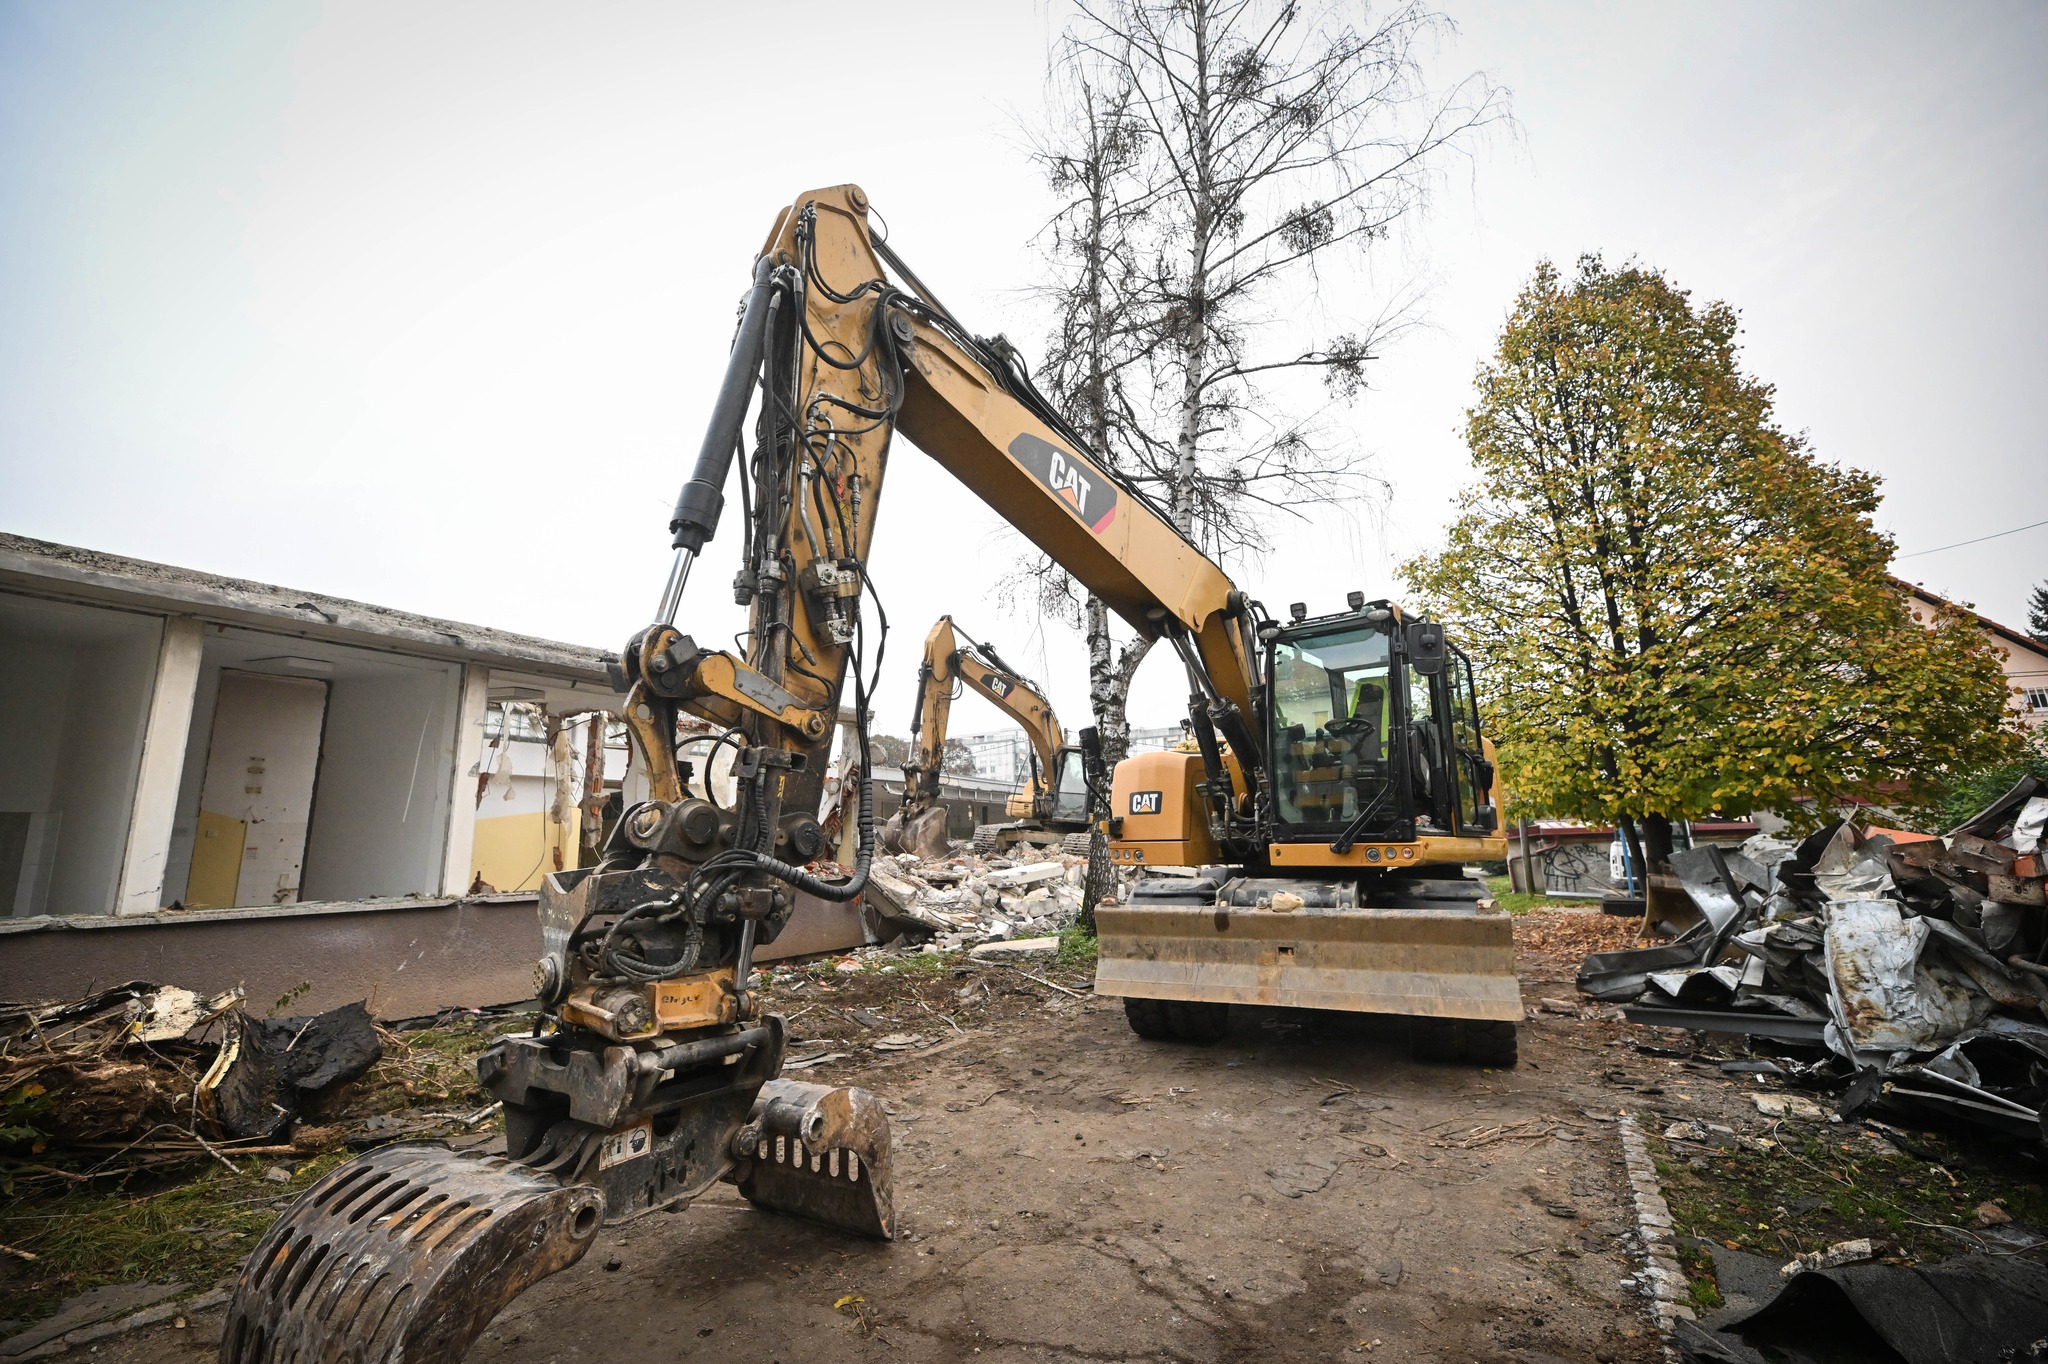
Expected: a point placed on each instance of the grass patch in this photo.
(1701, 1287)
(923, 964)
(1521, 902)
(1816, 1189)
(192, 1230)
(1077, 948)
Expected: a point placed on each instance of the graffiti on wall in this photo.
(1577, 868)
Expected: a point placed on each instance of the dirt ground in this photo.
(1068, 1192)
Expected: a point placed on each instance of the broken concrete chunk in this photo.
(89, 1308)
(1016, 950)
(1787, 1106)
(1036, 873)
(1840, 1253)
(173, 1011)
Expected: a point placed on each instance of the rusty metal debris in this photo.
(1916, 961)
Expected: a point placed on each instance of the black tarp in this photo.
(1974, 1307)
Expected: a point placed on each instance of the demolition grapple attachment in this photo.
(818, 1152)
(404, 1254)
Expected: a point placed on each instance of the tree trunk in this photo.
(1109, 683)
(1657, 842)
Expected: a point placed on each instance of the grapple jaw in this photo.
(921, 833)
(403, 1256)
(819, 1152)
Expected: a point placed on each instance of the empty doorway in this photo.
(256, 803)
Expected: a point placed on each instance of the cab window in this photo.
(1464, 717)
(1332, 719)
(1070, 793)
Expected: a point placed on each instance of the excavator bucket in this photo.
(821, 1153)
(1452, 962)
(922, 834)
(403, 1256)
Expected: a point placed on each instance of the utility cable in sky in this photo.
(1998, 535)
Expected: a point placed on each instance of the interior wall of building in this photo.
(75, 685)
(380, 811)
(256, 801)
(380, 804)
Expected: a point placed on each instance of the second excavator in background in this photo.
(1052, 808)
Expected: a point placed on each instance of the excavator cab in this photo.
(1070, 789)
(1374, 731)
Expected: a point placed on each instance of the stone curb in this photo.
(134, 1321)
(1662, 1280)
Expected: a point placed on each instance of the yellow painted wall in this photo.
(513, 852)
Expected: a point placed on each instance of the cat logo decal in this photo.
(1076, 482)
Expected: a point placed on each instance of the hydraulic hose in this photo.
(838, 892)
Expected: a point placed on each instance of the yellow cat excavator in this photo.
(1050, 809)
(1338, 782)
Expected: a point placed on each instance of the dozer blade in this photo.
(1427, 963)
(403, 1256)
(819, 1152)
(923, 834)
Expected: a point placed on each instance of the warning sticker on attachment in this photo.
(630, 1144)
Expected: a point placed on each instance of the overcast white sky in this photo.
(422, 303)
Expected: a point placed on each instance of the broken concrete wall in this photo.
(406, 958)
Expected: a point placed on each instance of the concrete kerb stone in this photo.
(1663, 1280)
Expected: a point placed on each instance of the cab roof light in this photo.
(1355, 600)
(1298, 611)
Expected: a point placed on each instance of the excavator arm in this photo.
(863, 359)
(653, 1072)
(919, 826)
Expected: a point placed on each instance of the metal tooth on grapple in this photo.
(403, 1257)
(819, 1152)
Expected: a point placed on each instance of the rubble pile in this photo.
(964, 900)
(1915, 961)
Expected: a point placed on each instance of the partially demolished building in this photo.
(209, 782)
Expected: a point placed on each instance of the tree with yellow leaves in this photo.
(1679, 609)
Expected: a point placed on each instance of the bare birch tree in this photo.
(1213, 156)
(1100, 339)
